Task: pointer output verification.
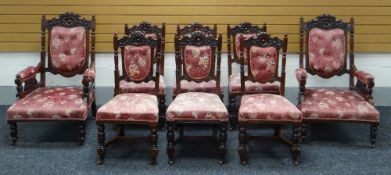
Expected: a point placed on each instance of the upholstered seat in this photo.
(337, 104)
(130, 107)
(269, 108)
(197, 106)
(251, 87)
(143, 87)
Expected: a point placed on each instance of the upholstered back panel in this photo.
(237, 44)
(151, 36)
(198, 61)
(68, 49)
(263, 63)
(137, 62)
(326, 51)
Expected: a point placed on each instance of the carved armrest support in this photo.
(26, 76)
(88, 83)
(365, 85)
(301, 76)
(27, 73)
(364, 77)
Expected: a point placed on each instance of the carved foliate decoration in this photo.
(327, 22)
(137, 38)
(197, 38)
(146, 28)
(246, 28)
(196, 27)
(264, 40)
(69, 19)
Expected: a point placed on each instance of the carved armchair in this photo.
(245, 30)
(152, 32)
(266, 107)
(198, 59)
(139, 108)
(68, 55)
(324, 49)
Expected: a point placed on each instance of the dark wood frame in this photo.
(188, 29)
(68, 19)
(197, 38)
(328, 22)
(135, 38)
(264, 40)
(243, 28)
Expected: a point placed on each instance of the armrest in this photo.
(27, 73)
(301, 75)
(89, 75)
(364, 77)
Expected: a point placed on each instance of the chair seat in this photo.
(337, 104)
(50, 103)
(197, 106)
(251, 87)
(144, 87)
(268, 108)
(134, 107)
(191, 86)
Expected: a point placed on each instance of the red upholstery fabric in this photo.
(68, 49)
(198, 61)
(301, 73)
(191, 86)
(137, 61)
(237, 44)
(50, 103)
(89, 74)
(268, 107)
(130, 107)
(251, 87)
(197, 106)
(337, 104)
(263, 63)
(132, 87)
(27, 73)
(363, 76)
(326, 51)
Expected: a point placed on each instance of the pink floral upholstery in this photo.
(135, 107)
(27, 73)
(263, 63)
(269, 108)
(151, 36)
(137, 61)
(198, 61)
(251, 87)
(337, 104)
(89, 74)
(237, 44)
(363, 76)
(68, 49)
(132, 87)
(191, 86)
(326, 51)
(301, 73)
(197, 106)
(50, 103)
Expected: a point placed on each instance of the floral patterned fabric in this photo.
(50, 103)
(89, 74)
(198, 61)
(143, 87)
(251, 87)
(337, 104)
(263, 63)
(301, 73)
(191, 86)
(27, 73)
(363, 76)
(137, 61)
(197, 106)
(268, 107)
(237, 44)
(130, 107)
(68, 49)
(326, 51)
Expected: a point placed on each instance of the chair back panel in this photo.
(263, 63)
(137, 62)
(197, 61)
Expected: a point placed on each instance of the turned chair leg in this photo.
(373, 134)
(170, 143)
(82, 133)
(304, 131)
(222, 144)
(243, 139)
(93, 109)
(232, 113)
(295, 147)
(162, 112)
(101, 139)
(154, 150)
(13, 132)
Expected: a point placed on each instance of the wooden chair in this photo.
(187, 30)
(263, 107)
(137, 57)
(246, 30)
(68, 55)
(324, 43)
(198, 59)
